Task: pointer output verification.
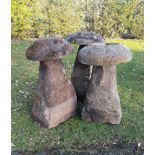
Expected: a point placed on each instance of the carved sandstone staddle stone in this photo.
(102, 102)
(81, 73)
(55, 97)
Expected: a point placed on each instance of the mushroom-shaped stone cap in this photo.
(46, 48)
(85, 38)
(108, 55)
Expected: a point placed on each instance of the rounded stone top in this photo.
(85, 38)
(104, 55)
(45, 48)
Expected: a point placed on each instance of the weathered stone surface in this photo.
(85, 38)
(45, 48)
(55, 98)
(102, 103)
(81, 73)
(80, 77)
(104, 55)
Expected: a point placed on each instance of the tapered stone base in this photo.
(102, 103)
(105, 116)
(54, 98)
(52, 116)
(80, 77)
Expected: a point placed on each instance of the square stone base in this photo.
(52, 116)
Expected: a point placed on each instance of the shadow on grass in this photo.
(120, 148)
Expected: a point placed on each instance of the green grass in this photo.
(76, 133)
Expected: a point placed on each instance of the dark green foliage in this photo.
(37, 18)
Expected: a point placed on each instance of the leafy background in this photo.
(37, 18)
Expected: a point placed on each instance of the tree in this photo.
(20, 17)
(132, 18)
(37, 18)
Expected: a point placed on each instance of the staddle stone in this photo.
(55, 98)
(102, 102)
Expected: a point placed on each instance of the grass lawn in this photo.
(76, 134)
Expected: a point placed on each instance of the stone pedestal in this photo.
(102, 103)
(55, 97)
(80, 77)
